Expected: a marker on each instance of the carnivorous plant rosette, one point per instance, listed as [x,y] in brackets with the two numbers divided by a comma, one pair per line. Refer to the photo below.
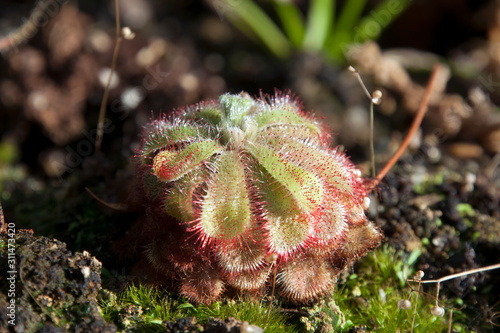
[251,183]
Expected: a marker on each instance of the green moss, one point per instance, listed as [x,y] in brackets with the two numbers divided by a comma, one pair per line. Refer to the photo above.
[429,183]
[322,317]
[145,309]
[8,152]
[465,210]
[370,297]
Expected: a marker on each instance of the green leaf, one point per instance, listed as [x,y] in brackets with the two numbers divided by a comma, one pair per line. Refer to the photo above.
[186,306]
[414,255]
[283,135]
[211,114]
[179,198]
[287,226]
[332,167]
[350,15]
[162,134]
[291,20]
[171,165]
[465,210]
[372,25]
[285,116]
[319,21]
[304,186]
[259,23]
[235,107]
[226,207]
[343,32]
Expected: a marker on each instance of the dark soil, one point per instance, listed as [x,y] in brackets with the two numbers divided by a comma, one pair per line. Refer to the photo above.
[56,290]
[454,225]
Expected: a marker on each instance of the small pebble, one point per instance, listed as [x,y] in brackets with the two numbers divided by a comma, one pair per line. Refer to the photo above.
[104,75]
[247,328]
[465,150]
[85,271]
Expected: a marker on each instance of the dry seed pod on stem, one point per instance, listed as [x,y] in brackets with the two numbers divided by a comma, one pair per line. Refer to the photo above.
[438,310]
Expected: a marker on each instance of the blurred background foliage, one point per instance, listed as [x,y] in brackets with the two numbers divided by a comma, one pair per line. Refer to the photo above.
[320,30]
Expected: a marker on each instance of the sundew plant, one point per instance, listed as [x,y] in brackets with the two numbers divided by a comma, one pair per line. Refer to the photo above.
[239,185]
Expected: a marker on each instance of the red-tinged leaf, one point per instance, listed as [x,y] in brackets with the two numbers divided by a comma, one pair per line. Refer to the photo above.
[171,165]
[305,187]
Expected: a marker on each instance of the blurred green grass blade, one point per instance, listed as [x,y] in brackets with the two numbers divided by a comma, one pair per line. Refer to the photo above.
[319,22]
[350,29]
[337,45]
[350,15]
[372,25]
[291,20]
[259,23]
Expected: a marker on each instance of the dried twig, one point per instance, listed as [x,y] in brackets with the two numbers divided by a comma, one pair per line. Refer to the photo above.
[43,10]
[454,276]
[437,310]
[414,127]
[115,206]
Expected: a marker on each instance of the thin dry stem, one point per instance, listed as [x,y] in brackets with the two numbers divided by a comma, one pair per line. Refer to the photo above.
[275,268]
[489,170]
[453,276]
[115,206]
[355,72]
[373,100]
[414,127]
[415,308]
[450,320]
[438,281]
[372,147]
[104,101]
